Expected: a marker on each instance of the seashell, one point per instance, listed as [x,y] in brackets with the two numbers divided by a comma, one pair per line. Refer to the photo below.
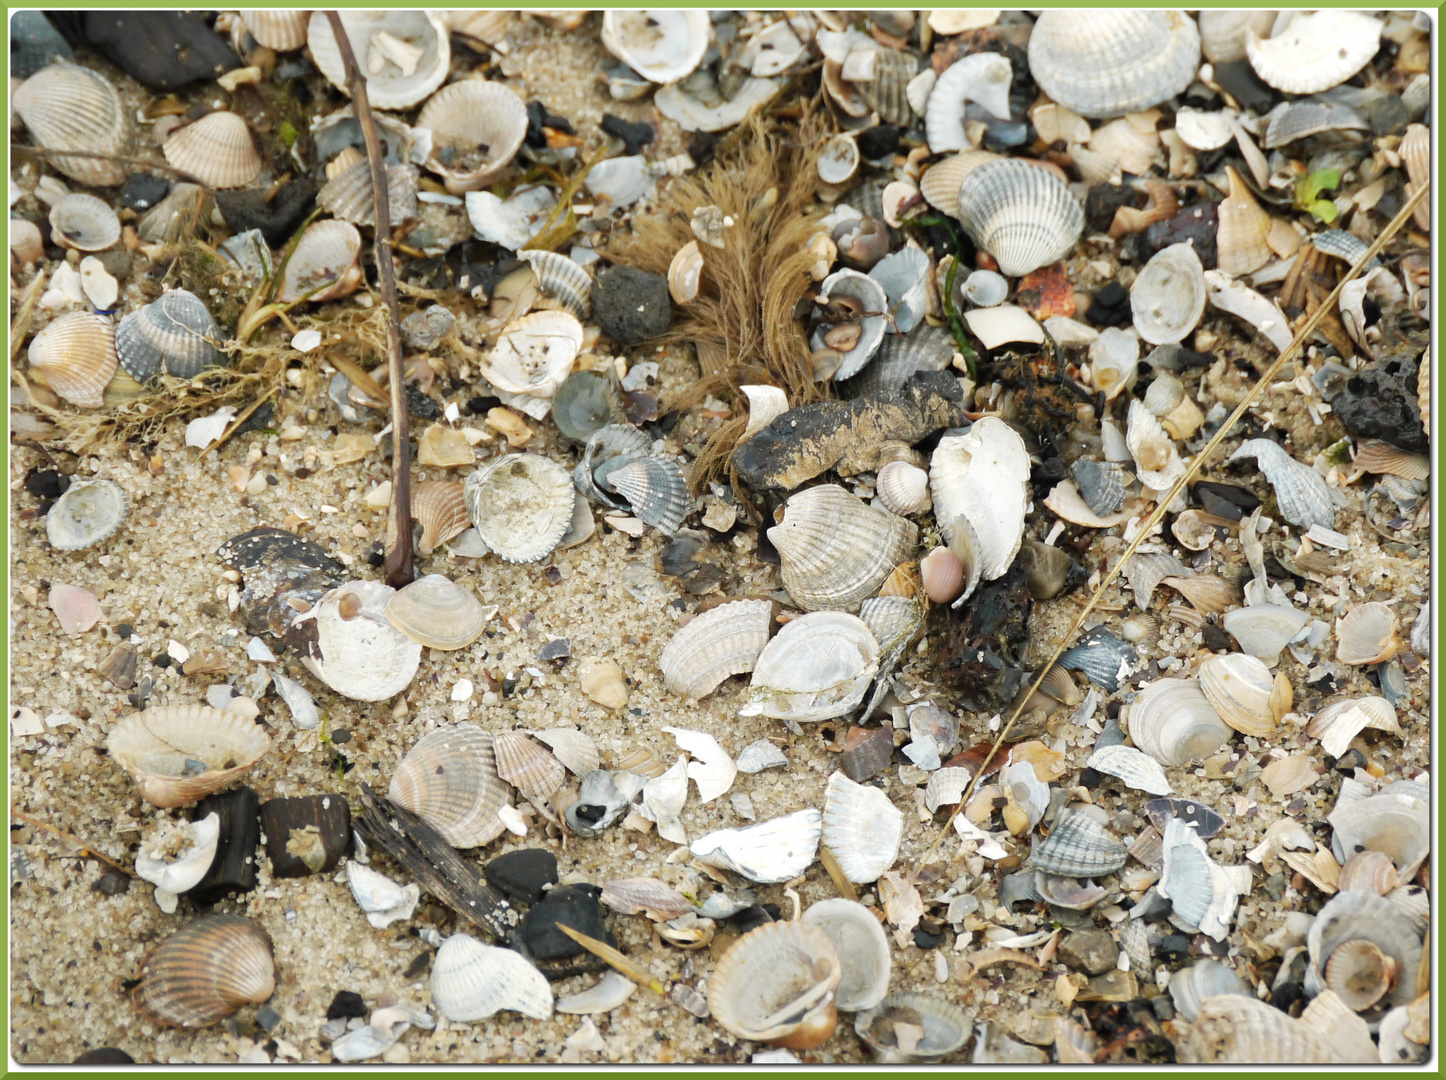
[608,448]
[522,505]
[1364,976]
[177,857]
[874,299]
[1263,631]
[84,223]
[405,54]
[770,852]
[182,753]
[1396,825]
[838,160]
[1367,634]
[903,488]
[324,265]
[1369,871]
[1243,692]
[1341,721]
[477,128]
[1046,569]
[602,799]
[575,749]
[1266,316]
[607,994]
[982,479]
[26,244]
[1107,63]
[1315,52]
[1168,296]
[773,50]
[1104,658]
[1190,986]
[449,780]
[69,107]
[1069,893]
[816,667]
[655,490]
[472,981]
[1208,594]
[383,900]
[206,971]
[1203,130]
[905,278]
[942,575]
[1114,361]
[524,764]
[940,183]
[1020,214]
[532,357]
[356,651]
[715,114]
[583,403]
[900,357]
[685,273]
[723,641]
[438,505]
[562,279]
[1243,229]
[348,195]
[984,77]
[88,512]
[1238,1029]
[985,288]
[862,949]
[913,1027]
[216,150]
[862,827]
[1078,846]
[1173,721]
[1223,33]
[1128,145]
[662,46]
[1101,484]
[1157,461]
[435,612]
[175,332]
[1415,151]
[776,984]
[1359,973]
[283,31]
[630,896]
[1377,456]
[1302,119]
[1138,770]
[836,549]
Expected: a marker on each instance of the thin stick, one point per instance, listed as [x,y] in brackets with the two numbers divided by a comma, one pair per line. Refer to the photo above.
[1158,514]
[89,155]
[245,415]
[399,557]
[86,851]
[616,960]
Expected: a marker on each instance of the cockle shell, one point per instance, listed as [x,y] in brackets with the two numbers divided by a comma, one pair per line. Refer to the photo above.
[217,150]
[405,54]
[327,260]
[88,512]
[1240,1030]
[1203,979]
[438,505]
[1107,63]
[1358,916]
[862,948]
[521,504]
[655,490]
[69,107]
[769,852]
[205,971]
[900,357]
[534,354]
[1359,973]
[981,479]
[348,195]
[84,223]
[524,764]
[182,753]
[1168,296]
[356,651]
[1316,51]
[836,549]
[662,46]
[983,77]
[472,981]
[436,612]
[777,984]
[449,779]
[817,666]
[1137,769]
[1395,824]
[1370,871]
[1079,847]
[1415,151]
[903,488]
[938,1026]
[1020,214]
[1367,634]
[562,279]
[723,641]
[477,128]
[1244,227]
[1341,721]
[1223,32]
[283,31]
[1243,692]
[940,183]
[609,447]
[175,332]
[862,827]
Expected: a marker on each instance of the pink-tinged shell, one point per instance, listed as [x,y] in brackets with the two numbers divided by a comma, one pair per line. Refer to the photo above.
[205,971]
[527,765]
[157,746]
[76,356]
[439,507]
[1370,871]
[629,896]
[76,608]
[216,149]
[942,574]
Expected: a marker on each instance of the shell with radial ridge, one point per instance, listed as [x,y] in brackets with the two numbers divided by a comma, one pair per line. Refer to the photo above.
[472,981]
[862,948]
[1223,32]
[75,354]
[1020,214]
[1204,979]
[723,641]
[88,512]
[940,183]
[348,194]
[1367,635]
[527,765]
[69,107]
[862,827]
[1316,51]
[442,511]
[1104,63]
[1243,229]
[1079,847]
[903,488]
[405,53]
[175,332]
[945,1027]
[818,666]
[1358,916]
[181,753]
[521,504]
[449,779]
[982,77]
[283,31]
[575,749]
[1236,1029]
[1173,721]
[436,612]
[325,263]
[84,223]
[483,123]
[206,971]
[217,150]
[836,550]
[656,491]
[777,984]
[562,279]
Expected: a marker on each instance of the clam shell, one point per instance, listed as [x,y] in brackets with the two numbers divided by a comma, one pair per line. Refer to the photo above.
[348,194]
[584,403]
[26,244]
[1146,570]
[862,827]
[176,857]
[900,356]
[1173,721]
[983,77]
[661,46]
[521,504]
[1369,871]
[1415,151]
[88,512]
[839,159]
[723,641]
[903,488]
[575,749]
[945,1027]
[483,123]
[1316,51]
[1341,721]
[1168,297]
[1104,63]
[942,575]
[206,971]
[1157,460]
[1020,214]
[1367,634]
[85,223]
[887,93]
[777,984]
[1243,229]
[863,951]
[328,252]
[982,478]
[449,780]
[1239,1030]
[836,549]
[405,54]
[162,746]
[438,505]
[1079,847]
[175,332]
[217,150]
[1301,119]
[1203,130]
[524,764]
[534,354]
[1208,594]
[769,852]
[1046,569]
[472,981]
[69,107]
[1243,692]
[817,666]
[655,490]
[1223,33]
[875,300]
[356,651]
[283,31]
[1357,916]
[563,280]
[607,994]
[1397,825]
[438,613]
[1137,769]
[685,273]
[1205,979]
[1263,631]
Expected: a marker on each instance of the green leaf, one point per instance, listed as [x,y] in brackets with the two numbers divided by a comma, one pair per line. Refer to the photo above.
[287,134]
[1308,189]
[1324,209]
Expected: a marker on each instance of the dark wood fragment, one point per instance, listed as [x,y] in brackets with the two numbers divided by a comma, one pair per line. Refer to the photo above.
[234,867]
[306,835]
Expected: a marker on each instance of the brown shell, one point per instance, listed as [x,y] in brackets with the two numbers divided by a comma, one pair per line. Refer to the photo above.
[449,779]
[1207,593]
[216,149]
[205,971]
[1244,226]
[76,357]
[1377,456]
[527,765]
[1370,871]
[439,507]
[158,747]
[1360,973]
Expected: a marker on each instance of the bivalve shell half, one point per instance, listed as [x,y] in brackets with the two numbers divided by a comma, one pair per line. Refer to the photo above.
[656,491]
[874,299]
[69,107]
[1104,63]
[84,223]
[1078,847]
[1395,824]
[1244,693]
[938,1026]
[283,31]
[472,981]
[356,651]
[1020,214]
[836,549]
[862,948]
[527,766]
[816,667]
[1263,631]
[903,488]
[562,279]
[217,150]
[441,510]
[1157,460]
[405,54]
[206,971]
[1385,973]
[436,612]
[521,504]
[984,77]
[662,46]
[348,195]
[1235,1029]
[175,332]
[1223,32]
[723,641]
[182,753]
[88,512]
[1359,973]
[982,479]
[1205,979]
[1341,721]
[1168,296]
[325,264]
[769,852]
[685,273]
[940,183]
[777,984]
[1301,492]
[449,780]
[477,128]
[534,354]
[862,827]
[1367,635]
[1316,51]
[1369,871]
[576,749]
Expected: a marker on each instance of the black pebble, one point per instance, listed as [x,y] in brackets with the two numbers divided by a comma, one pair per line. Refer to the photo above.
[1350,761]
[631,306]
[478,406]
[341,735]
[346,1005]
[1388,115]
[234,867]
[298,68]
[929,937]
[1379,402]
[633,136]
[1195,225]
[878,142]
[1110,307]
[268,1018]
[159,49]
[751,918]
[1238,79]
[46,483]
[556,649]
[277,219]
[1089,778]
[571,905]
[1175,945]
[105,1055]
[538,118]
[419,404]
[523,875]
[328,814]
[162,661]
[143,190]
[1102,200]
[1214,638]
[419,964]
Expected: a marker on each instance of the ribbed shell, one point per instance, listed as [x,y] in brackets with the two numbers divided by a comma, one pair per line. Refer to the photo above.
[562,279]
[1416,153]
[390,87]
[1168,296]
[1079,847]
[1020,214]
[862,948]
[85,223]
[1201,980]
[722,641]
[836,549]
[1366,634]
[449,779]
[1104,63]
[903,488]
[526,765]
[817,666]
[68,107]
[1316,51]
[940,183]
[472,981]
[205,971]
[521,504]
[176,332]
[469,115]
[156,747]
[1243,692]
[1239,1030]
[900,357]
[216,149]
[1301,119]
[76,355]
[442,511]
[766,970]
[983,77]
[327,252]
[279,30]
[655,490]
[1341,721]
[1173,721]
[1223,32]
[862,827]
[1369,871]
[438,613]
[1363,916]
[1244,226]
[348,195]
[607,443]
[1100,483]
[575,749]
[887,93]
[1301,492]
[88,512]
[946,1027]
[1136,768]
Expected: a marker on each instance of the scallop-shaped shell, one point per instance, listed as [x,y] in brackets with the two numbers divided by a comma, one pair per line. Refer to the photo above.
[1020,214]
[777,984]
[1263,631]
[1243,692]
[903,488]
[1238,1030]
[1079,847]
[1358,916]
[562,279]
[85,223]
[356,651]
[69,107]
[685,273]
[472,981]
[983,77]
[1104,63]
[526,765]
[722,641]
[862,948]
[662,46]
[406,54]
[206,971]
[436,612]
[1367,635]
[534,354]
[1168,296]
[862,827]
[817,666]
[1397,825]
[1101,484]
[656,491]
[328,252]
[836,549]
[182,753]
[441,510]
[283,31]
[1203,130]
[1136,768]
[769,852]
[1102,656]
[575,749]
[1369,871]
[900,357]
[449,780]
[1359,973]
[521,504]
[1243,229]
[610,446]
[88,512]
[888,92]
[1341,721]
[945,1027]
[1203,979]
[482,122]
[1223,32]
[982,478]
[217,150]
[1316,51]
[348,194]
[875,300]
[175,332]
[940,183]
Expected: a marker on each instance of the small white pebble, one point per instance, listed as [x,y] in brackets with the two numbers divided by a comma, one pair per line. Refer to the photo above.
[462,691]
[306,340]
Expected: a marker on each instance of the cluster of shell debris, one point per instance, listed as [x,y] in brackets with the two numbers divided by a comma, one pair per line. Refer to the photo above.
[1049,255]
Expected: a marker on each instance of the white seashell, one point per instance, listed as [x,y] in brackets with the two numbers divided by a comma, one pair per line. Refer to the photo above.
[1359,916]
[839,159]
[772,50]
[1157,461]
[835,549]
[435,612]
[464,118]
[940,183]
[449,779]
[985,288]
[765,405]
[1137,769]
[84,223]
[1397,825]
[563,279]
[1128,145]
[945,788]
[521,504]
[776,984]
[685,273]
[575,749]
[875,300]
[1243,235]
[621,181]
[691,114]
[283,31]
[175,858]
[356,651]
[1264,630]
[913,1028]
[905,278]
[1301,492]
[1002,324]
[405,54]
[662,46]
[298,699]
[328,252]
[761,755]
[1204,979]
[1168,296]
[1020,214]
[472,981]
[99,287]
[816,667]
[1204,130]
[1316,51]
[162,748]
[1114,360]
[534,354]
[1340,722]
[1244,693]
[712,769]
[1223,32]
[903,488]
[1237,1029]
[369,1041]
[919,88]
[1104,63]
[861,827]
[769,852]
[383,900]
[723,641]
[1229,295]
[663,799]
[983,77]
[1367,635]
[513,221]
[982,478]
[1027,795]
[606,994]
[1173,721]
[862,948]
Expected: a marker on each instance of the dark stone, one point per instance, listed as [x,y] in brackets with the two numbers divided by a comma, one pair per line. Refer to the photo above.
[751,918]
[1177,945]
[419,965]
[1225,500]
[867,752]
[538,118]
[1238,79]
[1163,1008]
[702,146]
[34,43]
[1379,402]
[523,875]
[1110,307]
[1285,995]
[420,405]
[569,905]
[267,1018]
[634,136]
[124,631]
[317,828]
[143,190]
[1215,639]
[1092,951]
[556,649]
[1275,885]
[1349,762]
[111,882]
[162,661]
[103,1055]
[163,50]
[346,1005]
[1102,200]
[984,642]
[630,305]
[234,867]
[929,936]
[46,484]
[878,142]
[1195,225]
[275,566]
[1388,115]
[117,262]
[277,219]
[1090,778]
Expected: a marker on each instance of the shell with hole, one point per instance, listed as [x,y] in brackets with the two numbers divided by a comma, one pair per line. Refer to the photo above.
[913,1027]
[723,641]
[862,948]
[182,753]
[522,505]
[982,77]
[1020,214]
[1244,693]
[352,647]
[1382,952]
[1316,51]
[175,332]
[661,46]
[836,550]
[1367,635]
[436,612]
[1104,63]
[206,971]
[777,984]
[980,487]
[84,223]
[405,54]
[862,827]
[449,780]
[472,981]
[818,666]
[1168,297]
[477,128]
[325,264]
[88,512]
[69,107]
[216,150]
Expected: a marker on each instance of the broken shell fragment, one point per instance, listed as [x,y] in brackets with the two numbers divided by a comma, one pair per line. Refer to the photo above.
[1204,979]
[818,666]
[88,512]
[836,549]
[1370,871]
[1238,1029]
[1395,824]
[1316,51]
[777,984]
[723,641]
[449,780]
[438,613]
[206,971]
[1107,63]
[1157,460]
[325,264]
[1168,297]
[913,1027]
[771,851]
[1341,721]
[522,505]
[176,857]
[1020,214]
[685,273]
[355,650]
[603,798]
[981,479]
[862,827]
[1244,227]
[472,981]
[1367,635]
[983,77]
[524,764]
[1137,769]
[182,753]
